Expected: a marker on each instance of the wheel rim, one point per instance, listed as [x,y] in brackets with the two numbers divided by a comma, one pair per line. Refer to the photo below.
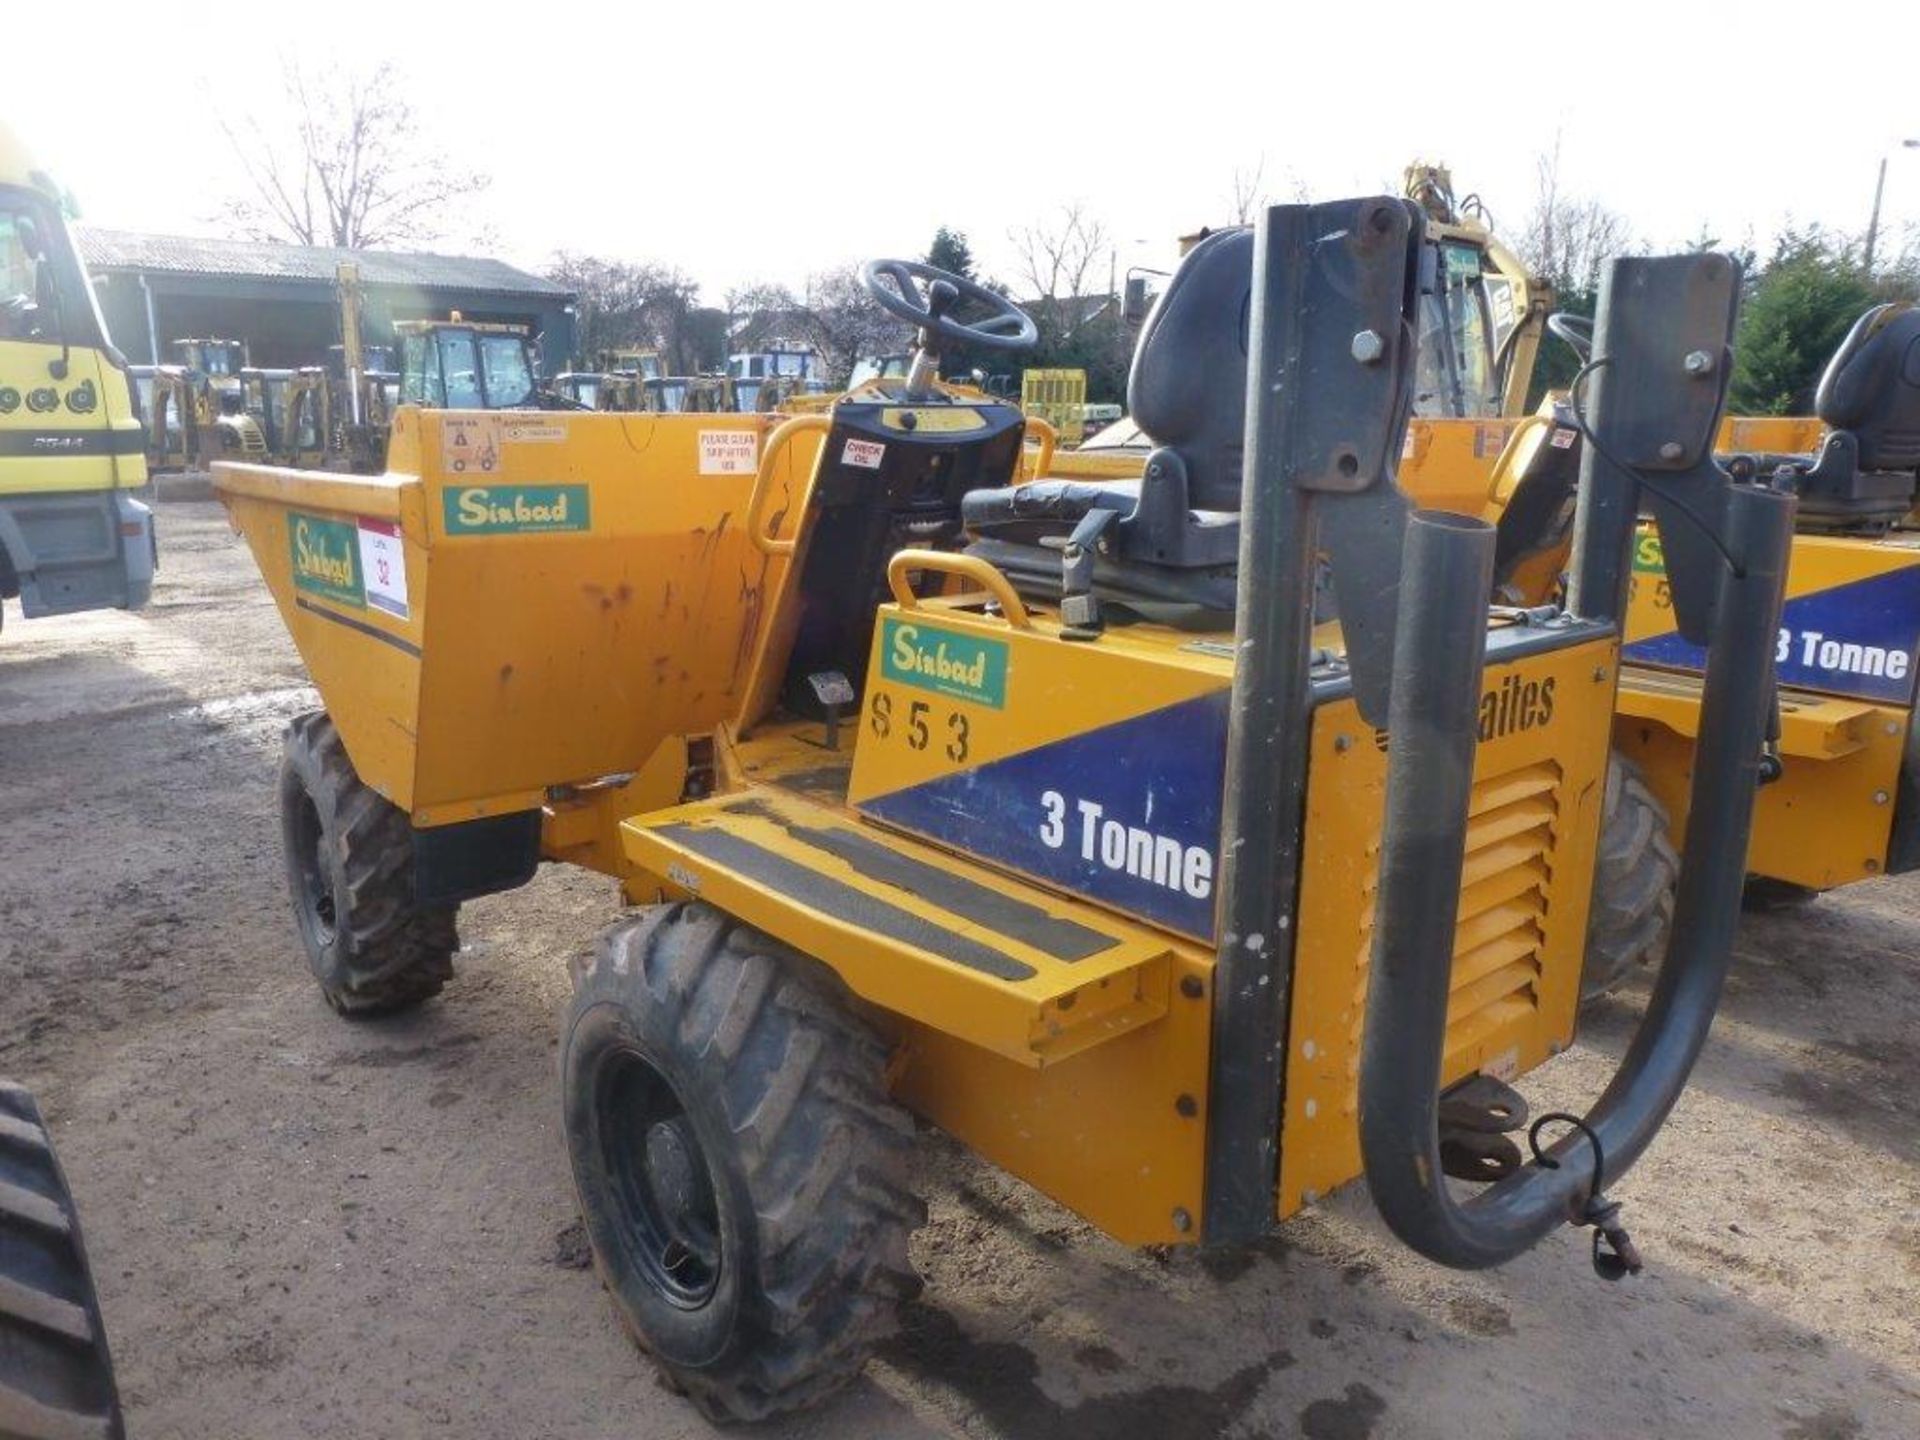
[316,885]
[660,1182]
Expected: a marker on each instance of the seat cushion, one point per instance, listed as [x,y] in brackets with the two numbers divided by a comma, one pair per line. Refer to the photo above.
[1186,599]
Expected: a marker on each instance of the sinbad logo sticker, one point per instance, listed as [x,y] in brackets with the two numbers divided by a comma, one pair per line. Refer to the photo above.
[966,667]
[326,558]
[516,509]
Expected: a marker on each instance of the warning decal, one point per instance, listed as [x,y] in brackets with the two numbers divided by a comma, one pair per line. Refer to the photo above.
[865,453]
[729,452]
[471,443]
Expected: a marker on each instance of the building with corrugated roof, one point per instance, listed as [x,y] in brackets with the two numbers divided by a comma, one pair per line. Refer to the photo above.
[282,300]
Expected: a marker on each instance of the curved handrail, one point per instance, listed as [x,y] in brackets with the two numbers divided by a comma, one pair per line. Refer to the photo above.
[776,444]
[1049,438]
[1501,483]
[968,567]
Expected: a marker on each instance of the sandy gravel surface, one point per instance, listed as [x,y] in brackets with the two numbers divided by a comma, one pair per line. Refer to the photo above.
[305,1227]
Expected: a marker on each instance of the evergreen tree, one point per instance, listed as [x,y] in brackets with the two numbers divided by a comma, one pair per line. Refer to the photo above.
[950,252]
[1800,308]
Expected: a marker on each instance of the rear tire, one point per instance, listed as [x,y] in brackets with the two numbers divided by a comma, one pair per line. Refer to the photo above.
[56,1375]
[1633,883]
[741,1170]
[349,860]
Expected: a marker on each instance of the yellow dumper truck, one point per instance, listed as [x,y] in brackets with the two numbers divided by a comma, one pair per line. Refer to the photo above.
[1188,848]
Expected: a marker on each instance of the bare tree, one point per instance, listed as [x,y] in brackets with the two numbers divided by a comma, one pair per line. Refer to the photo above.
[1567,238]
[348,170]
[845,324]
[835,315]
[1249,197]
[765,311]
[620,305]
[1059,265]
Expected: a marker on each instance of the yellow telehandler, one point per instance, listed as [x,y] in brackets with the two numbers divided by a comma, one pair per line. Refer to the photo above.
[1188,852]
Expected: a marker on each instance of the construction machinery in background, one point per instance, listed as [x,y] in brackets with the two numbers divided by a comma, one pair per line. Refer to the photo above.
[163,405]
[213,403]
[210,403]
[767,378]
[1842,798]
[1059,397]
[56,1373]
[645,364]
[73,536]
[1483,316]
[1187,848]
[457,364]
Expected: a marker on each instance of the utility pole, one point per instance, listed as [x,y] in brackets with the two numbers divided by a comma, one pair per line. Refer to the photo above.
[1879,190]
[1873,224]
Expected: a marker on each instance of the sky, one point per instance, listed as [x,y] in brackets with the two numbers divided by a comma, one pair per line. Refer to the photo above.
[743,142]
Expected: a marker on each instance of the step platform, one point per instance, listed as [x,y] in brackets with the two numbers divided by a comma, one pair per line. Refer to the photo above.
[1028,974]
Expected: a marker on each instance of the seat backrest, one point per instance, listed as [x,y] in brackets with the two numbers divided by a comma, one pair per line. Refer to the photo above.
[1188,387]
[1872,387]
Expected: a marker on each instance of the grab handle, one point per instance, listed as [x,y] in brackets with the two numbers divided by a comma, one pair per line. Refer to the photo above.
[968,567]
[783,435]
[1049,438]
[1505,475]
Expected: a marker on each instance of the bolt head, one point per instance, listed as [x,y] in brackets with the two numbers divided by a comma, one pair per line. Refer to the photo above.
[1368,347]
[1182,1221]
[1672,450]
[1698,362]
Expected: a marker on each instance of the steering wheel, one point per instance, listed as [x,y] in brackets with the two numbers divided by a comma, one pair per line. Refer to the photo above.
[1575,330]
[1005,327]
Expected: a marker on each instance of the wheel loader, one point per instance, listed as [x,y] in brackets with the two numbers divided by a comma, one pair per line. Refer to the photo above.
[1187,852]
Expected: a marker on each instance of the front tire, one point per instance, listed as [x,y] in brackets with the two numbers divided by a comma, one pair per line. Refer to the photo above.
[349,860]
[1633,883]
[56,1375]
[741,1170]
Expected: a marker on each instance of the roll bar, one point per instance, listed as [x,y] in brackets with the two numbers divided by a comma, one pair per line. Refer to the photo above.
[1662,355]
[1332,350]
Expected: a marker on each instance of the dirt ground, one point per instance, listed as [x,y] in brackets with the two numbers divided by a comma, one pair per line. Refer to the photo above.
[306,1227]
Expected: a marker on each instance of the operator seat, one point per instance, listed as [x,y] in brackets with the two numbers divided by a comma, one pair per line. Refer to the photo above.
[1164,546]
[1865,473]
